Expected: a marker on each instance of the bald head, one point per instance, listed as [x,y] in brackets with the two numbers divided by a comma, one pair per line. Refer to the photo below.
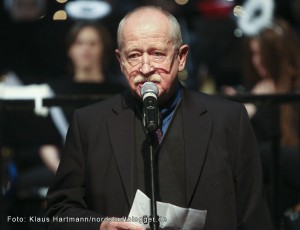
[145,17]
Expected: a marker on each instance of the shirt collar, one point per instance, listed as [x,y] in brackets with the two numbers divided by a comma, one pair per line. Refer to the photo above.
[168,108]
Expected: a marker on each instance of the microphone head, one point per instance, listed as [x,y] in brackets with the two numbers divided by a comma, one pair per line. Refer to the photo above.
[149,87]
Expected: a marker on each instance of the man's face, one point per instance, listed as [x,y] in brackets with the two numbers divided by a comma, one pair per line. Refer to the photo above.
[148,54]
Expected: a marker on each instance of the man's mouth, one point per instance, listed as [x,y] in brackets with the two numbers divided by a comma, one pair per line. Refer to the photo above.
[139,84]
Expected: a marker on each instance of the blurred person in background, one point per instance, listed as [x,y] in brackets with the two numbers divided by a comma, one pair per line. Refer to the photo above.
[25,10]
[272,66]
[88,46]
[34,143]
[24,39]
[89,50]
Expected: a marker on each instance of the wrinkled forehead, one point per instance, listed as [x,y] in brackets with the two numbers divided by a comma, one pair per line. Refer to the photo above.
[146,23]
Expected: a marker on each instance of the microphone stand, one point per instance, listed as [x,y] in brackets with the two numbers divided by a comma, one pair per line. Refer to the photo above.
[154,223]
[149,92]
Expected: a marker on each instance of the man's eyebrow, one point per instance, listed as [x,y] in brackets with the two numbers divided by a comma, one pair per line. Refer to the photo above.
[132,48]
[150,48]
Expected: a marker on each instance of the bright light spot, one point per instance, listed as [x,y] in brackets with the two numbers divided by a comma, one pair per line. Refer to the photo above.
[60,15]
[238,33]
[238,11]
[61,1]
[87,9]
[181,2]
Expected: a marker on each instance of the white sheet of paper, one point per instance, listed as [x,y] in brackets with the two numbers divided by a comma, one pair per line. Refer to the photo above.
[170,216]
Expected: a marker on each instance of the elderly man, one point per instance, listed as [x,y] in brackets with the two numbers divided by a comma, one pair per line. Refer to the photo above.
[206,160]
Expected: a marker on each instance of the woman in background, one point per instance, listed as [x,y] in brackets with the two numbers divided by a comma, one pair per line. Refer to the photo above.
[88,46]
[90,67]
[272,66]
[89,50]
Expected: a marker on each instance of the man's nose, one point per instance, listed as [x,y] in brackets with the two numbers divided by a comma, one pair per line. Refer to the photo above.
[146,65]
[146,68]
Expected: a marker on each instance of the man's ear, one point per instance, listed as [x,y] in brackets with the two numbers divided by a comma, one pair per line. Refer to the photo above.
[118,55]
[182,55]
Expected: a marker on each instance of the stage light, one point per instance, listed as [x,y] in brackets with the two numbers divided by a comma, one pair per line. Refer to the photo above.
[60,15]
[237,11]
[238,33]
[181,2]
[87,9]
[256,16]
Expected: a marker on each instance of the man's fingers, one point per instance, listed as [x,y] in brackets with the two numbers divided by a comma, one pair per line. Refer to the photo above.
[127,226]
[110,225]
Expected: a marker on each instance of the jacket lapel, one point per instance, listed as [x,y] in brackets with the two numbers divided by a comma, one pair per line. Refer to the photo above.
[121,132]
[197,128]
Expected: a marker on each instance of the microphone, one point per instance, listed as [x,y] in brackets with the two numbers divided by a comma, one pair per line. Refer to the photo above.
[149,92]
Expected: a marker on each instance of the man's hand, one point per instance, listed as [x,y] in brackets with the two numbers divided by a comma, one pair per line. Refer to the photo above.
[110,225]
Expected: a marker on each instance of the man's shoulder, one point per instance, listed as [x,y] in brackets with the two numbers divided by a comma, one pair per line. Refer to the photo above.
[212,102]
[100,108]
[223,112]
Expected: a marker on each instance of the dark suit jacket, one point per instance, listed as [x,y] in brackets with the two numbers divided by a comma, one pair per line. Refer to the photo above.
[223,169]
